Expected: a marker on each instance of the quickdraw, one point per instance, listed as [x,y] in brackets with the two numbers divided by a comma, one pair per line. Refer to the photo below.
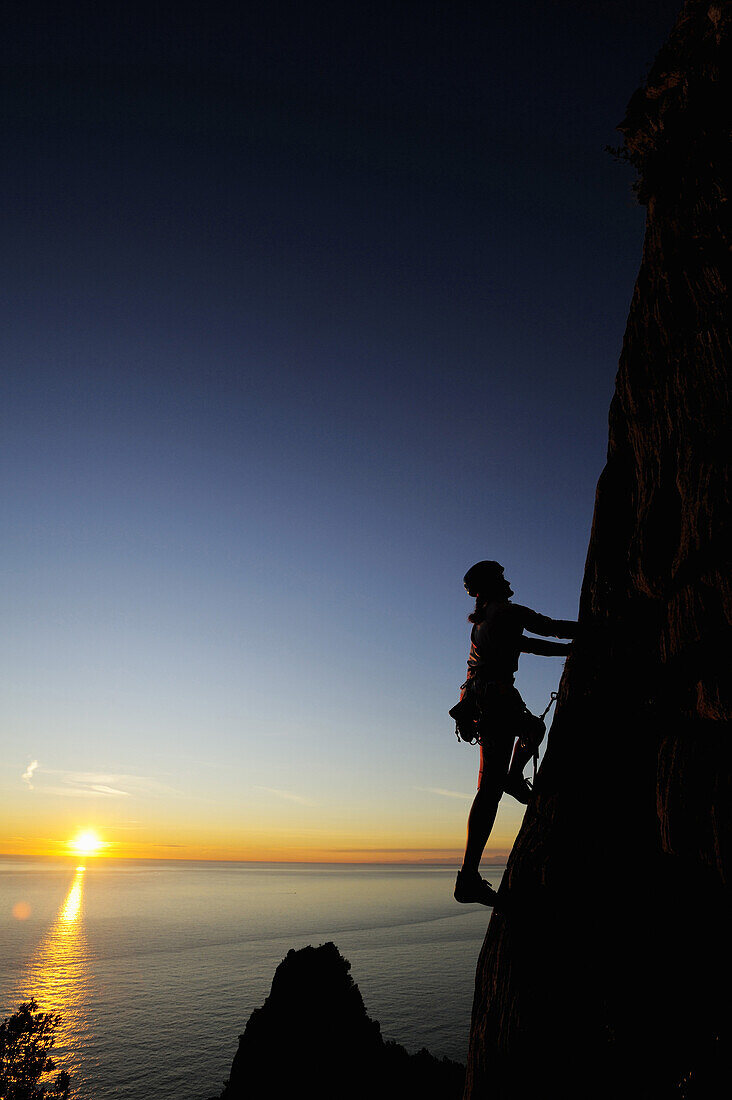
[550,704]
[542,716]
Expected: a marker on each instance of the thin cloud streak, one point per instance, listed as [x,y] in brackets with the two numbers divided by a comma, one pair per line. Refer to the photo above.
[82,792]
[288,795]
[444,793]
[94,785]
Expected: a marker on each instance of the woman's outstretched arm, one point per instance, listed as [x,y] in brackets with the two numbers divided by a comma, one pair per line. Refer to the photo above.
[545,649]
[542,624]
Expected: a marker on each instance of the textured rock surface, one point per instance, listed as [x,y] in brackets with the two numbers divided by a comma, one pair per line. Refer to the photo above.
[608,975]
[312,1037]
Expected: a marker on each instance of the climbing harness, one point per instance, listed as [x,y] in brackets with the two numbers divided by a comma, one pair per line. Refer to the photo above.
[466,715]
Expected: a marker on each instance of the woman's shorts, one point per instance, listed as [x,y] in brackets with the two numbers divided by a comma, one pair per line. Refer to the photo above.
[502,711]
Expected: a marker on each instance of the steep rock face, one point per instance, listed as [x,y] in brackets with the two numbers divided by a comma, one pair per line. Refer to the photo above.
[608,972]
[312,1036]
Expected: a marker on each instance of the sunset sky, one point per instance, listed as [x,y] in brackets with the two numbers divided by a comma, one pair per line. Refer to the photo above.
[307,308]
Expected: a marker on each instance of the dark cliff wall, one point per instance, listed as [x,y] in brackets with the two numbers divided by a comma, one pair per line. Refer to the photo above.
[608,974]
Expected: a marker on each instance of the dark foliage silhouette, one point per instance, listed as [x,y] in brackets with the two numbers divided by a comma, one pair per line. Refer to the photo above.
[26,1039]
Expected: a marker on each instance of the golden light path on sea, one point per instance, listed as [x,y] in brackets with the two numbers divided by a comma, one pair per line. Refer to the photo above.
[57,977]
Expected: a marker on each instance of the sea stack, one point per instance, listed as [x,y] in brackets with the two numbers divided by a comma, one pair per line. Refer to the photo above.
[607,973]
[313,1037]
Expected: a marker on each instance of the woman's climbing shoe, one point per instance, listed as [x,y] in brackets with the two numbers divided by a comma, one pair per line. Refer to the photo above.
[519,787]
[469,886]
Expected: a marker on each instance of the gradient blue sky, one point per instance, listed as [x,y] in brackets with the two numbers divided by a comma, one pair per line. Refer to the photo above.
[307,308]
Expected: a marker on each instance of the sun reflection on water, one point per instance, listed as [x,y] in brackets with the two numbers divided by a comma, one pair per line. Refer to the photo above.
[71,909]
[57,976]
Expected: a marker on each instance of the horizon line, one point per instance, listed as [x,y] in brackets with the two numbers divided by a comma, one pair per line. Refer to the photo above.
[90,860]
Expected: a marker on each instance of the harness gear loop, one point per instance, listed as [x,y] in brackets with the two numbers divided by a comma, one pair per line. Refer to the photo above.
[466,714]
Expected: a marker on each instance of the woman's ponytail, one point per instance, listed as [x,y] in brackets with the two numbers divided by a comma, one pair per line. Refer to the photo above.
[478,614]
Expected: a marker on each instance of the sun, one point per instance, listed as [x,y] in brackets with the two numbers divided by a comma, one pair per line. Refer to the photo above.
[87,843]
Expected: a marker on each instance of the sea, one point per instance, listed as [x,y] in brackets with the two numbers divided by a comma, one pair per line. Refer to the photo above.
[155,967]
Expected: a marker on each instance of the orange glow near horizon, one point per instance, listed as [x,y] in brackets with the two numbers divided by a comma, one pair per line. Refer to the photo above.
[105,850]
[103,841]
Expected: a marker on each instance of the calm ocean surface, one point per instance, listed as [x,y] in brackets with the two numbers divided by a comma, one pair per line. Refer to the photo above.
[156,967]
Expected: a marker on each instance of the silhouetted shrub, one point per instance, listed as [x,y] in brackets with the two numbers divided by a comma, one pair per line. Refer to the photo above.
[26,1038]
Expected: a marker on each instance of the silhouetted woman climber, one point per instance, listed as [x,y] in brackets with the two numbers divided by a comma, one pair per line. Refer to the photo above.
[496,640]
